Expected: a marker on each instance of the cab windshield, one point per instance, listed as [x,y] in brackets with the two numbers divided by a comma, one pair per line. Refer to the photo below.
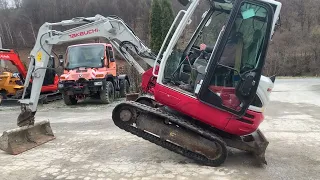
[204,28]
[199,39]
[90,56]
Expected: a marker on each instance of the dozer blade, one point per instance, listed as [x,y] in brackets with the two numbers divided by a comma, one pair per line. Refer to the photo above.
[255,143]
[9,102]
[132,97]
[261,144]
[22,139]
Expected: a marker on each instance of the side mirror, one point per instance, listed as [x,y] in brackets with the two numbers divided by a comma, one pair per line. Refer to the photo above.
[247,84]
[184,2]
[61,60]
[110,52]
[111,56]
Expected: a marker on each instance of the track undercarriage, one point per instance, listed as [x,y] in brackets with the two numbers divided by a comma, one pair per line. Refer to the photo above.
[44,99]
[161,126]
[51,97]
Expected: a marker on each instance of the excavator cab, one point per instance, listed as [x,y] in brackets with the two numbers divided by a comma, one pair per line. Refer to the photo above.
[225,76]
[232,74]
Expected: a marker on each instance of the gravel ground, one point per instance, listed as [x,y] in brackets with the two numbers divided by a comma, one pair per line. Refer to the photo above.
[90,146]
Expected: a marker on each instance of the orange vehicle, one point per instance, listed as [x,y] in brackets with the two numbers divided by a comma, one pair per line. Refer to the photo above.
[90,70]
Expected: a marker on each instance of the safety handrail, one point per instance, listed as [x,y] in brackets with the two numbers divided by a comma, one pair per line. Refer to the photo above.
[165,41]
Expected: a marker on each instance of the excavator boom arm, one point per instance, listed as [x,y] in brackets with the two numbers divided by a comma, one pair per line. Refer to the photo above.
[114,29]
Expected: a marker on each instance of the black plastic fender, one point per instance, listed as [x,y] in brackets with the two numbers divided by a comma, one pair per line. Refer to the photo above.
[114,80]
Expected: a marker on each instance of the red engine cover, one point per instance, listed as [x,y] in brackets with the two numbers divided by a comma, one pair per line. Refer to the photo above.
[192,107]
[219,119]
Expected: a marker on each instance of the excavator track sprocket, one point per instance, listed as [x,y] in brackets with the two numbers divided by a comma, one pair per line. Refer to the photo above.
[170,132]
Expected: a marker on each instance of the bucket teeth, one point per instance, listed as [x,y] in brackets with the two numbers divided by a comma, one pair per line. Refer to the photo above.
[22,139]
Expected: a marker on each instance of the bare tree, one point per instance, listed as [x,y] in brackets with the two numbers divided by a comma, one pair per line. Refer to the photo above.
[17,3]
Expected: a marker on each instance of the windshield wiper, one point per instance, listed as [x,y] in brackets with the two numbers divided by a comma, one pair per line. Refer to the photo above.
[78,67]
[83,67]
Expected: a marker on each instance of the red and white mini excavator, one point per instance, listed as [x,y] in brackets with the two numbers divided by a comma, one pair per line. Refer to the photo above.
[199,100]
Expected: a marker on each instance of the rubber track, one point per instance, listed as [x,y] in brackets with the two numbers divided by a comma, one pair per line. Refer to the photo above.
[50,97]
[165,144]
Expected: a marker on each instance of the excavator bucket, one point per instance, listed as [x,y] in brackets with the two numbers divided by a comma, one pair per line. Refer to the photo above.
[22,139]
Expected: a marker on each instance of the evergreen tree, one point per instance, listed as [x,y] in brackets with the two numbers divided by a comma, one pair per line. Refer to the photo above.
[167,18]
[155,26]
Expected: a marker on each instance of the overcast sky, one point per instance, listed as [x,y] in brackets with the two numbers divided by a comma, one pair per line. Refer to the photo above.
[10,3]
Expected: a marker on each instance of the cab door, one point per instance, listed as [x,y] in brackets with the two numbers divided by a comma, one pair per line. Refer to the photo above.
[234,70]
[112,67]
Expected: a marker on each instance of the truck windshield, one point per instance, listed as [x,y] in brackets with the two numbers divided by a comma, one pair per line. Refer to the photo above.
[85,56]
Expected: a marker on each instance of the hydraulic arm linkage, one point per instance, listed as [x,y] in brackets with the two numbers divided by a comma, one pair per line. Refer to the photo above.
[114,29]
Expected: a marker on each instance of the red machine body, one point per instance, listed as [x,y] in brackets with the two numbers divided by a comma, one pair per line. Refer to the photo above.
[220,119]
[13,57]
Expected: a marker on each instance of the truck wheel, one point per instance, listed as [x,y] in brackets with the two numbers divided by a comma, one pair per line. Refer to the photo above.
[69,100]
[125,89]
[107,95]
